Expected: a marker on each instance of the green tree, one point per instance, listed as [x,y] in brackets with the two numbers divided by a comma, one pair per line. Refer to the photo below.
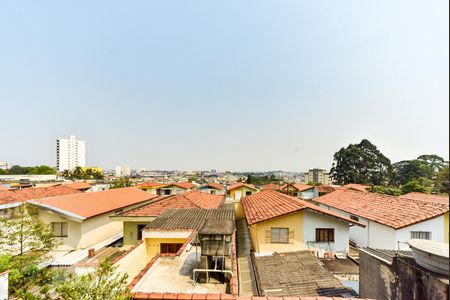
[442,180]
[434,162]
[122,182]
[408,170]
[414,186]
[360,163]
[102,284]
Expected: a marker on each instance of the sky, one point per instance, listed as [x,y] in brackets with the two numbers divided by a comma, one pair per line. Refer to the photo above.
[227,85]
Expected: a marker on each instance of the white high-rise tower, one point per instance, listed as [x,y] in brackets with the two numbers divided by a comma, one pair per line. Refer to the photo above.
[70,153]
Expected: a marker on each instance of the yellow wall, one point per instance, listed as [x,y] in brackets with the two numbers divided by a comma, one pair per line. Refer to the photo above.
[446,224]
[243,190]
[73,229]
[292,221]
[130,231]
[132,263]
[153,244]
[239,210]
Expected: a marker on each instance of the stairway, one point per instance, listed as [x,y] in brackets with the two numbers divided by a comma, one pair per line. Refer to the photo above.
[247,285]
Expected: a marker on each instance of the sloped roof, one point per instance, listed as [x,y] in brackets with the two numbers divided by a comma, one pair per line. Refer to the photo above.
[269,204]
[214,185]
[271,186]
[11,196]
[3,188]
[444,199]
[151,184]
[298,186]
[79,185]
[87,205]
[324,188]
[240,184]
[354,186]
[191,199]
[395,212]
[188,218]
[185,185]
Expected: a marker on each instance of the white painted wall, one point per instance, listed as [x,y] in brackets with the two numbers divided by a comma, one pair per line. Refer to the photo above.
[4,286]
[381,236]
[314,220]
[435,226]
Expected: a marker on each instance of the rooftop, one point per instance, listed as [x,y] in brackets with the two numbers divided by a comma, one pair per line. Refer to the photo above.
[79,185]
[271,186]
[185,185]
[395,212]
[87,205]
[191,199]
[190,218]
[240,184]
[214,185]
[269,204]
[324,188]
[150,184]
[298,186]
[10,196]
[297,274]
[355,187]
[427,197]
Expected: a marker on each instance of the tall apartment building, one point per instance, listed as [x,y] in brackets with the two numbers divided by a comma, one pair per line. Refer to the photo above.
[70,153]
[317,176]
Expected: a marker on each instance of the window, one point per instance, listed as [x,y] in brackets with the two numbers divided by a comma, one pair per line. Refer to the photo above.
[423,235]
[59,229]
[248,193]
[279,235]
[213,192]
[166,192]
[355,218]
[324,234]
[294,194]
[140,227]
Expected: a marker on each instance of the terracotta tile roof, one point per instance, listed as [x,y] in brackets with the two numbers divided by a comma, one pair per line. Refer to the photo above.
[215,186]
[324,188]
[3,188]
[185,296]
[269,204]
[271,186]
[427,197]
[298,186]
[240,184]
[151,184]
[355,187]
[185,185]
[79,185]
[191,199]
[87,205]
[11,196]
[395,212]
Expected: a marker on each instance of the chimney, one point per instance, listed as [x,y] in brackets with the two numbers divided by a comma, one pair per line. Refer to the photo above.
[91,252]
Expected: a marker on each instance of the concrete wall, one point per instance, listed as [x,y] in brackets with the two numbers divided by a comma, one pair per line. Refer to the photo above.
[292,221]
[401,280]
[73,229]
[133,262]
[436,226]
[312,220]
[97,229]
[239,210]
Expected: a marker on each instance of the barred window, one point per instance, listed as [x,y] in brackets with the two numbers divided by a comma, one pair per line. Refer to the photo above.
[59,229]
[279,235]
[423,235]
[324,234]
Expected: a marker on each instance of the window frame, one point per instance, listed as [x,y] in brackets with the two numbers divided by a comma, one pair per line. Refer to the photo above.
[272,241]
[61,229]
[325,236]
[419,232]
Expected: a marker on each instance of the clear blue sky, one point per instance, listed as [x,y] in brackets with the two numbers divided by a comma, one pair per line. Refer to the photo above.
[240,85]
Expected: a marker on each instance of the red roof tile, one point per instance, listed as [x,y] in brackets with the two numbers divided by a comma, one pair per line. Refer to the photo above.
[79,185]
[324,188]
[151,184]
[191,199]
[355,187]
[11,196]
[395,212]
[269,204]
[185,185]
[427,197]
[215,186]
[87,205]
[271,186]
[3,188]
[240,184]
[298,186]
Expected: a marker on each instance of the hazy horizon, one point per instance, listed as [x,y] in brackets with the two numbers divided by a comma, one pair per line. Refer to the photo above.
[224,85]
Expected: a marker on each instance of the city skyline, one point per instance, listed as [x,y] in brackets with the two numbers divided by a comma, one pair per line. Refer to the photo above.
[226,86]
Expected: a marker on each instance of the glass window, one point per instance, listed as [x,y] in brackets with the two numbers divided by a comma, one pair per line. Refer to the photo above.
[324,234]
[423,235]
[59,229]
[279,235]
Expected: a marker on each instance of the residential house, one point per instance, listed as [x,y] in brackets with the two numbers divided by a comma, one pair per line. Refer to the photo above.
[271,186]
[134,220]
[9,199]
[82,220]
[282,223]
[151,187]
[81,186]
[177,188]
[324,189]
[354,187]
[302,191]
[212,188]
[238,190]
[390,221]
